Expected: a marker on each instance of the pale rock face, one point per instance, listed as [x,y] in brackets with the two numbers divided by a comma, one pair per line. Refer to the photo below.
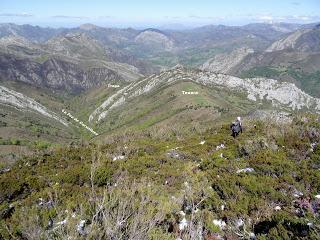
[182,213]
[80,227]
[20,101]
[221,146]
[120,97]
[183,224]
[297,194]
[117,103]
[245,170]
[288,42]
[68,43]
[277,208]
[239,223]
[152,37]
[284,28]
[257,89]
[63,222]
[14,40]
[118,158]
[220,223]
[223,63]
[266,89]
[108,103]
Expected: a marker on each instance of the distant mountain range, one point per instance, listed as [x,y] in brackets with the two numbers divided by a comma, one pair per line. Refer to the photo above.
[95,55]
[234,70]
[112,133]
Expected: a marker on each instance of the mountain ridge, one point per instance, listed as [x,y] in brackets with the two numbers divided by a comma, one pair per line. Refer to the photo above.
[255,92]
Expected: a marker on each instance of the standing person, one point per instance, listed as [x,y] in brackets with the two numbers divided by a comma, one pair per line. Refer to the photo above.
[236,127]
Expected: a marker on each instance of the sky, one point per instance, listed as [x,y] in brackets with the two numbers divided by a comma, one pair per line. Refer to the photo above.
[148,13]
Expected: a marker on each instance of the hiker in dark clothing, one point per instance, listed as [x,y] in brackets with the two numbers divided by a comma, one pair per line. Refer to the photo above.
[236,127]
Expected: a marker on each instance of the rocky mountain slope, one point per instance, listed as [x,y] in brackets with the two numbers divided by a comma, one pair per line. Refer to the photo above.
[76,45]
[90,58]
[56,73]
[225,63]
[195,96]
[31,121]
[72,62]
[256,89]
[32,33]
[243,59]
[155,39]
[168,47]
[24,103]
[92,149]
[295,58]
[304,40]
[272,31]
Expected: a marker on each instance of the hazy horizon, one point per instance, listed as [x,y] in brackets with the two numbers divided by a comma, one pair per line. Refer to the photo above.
[143,14]
[168,26]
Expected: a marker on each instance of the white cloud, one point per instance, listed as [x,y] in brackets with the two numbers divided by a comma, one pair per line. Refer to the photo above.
[265,18]
[288,18]
[302,18]
[206,18]
[24,14]
[105,17]
[70,17]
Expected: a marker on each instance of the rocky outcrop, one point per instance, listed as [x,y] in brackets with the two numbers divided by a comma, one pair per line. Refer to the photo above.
[54,73]
[224,63]
[22,102]
[144,67]
[155,38]
[14,40]
[81,52]
[287,65]
[281,95]
[304,40]
[32,33]
[76,45]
